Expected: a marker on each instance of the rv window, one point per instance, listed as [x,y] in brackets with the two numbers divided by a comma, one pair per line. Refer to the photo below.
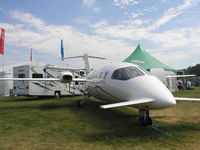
[21,76]
[76,83]
[82,73]
[37,75]
[126,73]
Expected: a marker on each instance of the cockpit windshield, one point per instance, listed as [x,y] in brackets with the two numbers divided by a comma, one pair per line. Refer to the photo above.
[126,73]
[145,71]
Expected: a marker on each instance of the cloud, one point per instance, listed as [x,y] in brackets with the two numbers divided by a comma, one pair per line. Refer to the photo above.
[140,29]
[172,13]
[124,3]
[90,4]
[100,24]
[46,38]
[27,18]
[150,9]
[170,45]
[107,39]
[136,14]
[97,9]
[82,21]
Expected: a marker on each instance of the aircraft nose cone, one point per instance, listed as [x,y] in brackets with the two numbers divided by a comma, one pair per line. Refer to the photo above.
[168,99]
[163,96]
[153,88]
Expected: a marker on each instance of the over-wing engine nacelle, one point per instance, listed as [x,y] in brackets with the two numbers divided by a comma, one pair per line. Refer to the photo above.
[66,77]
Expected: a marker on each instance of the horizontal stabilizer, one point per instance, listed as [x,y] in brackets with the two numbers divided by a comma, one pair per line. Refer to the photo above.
[186,99]
[84,56]
[78,80]
[127,103]
[180,76]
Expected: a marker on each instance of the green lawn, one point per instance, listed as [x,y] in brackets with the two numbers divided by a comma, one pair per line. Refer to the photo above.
[47,124]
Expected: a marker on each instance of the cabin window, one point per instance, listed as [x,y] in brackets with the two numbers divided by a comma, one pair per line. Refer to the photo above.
[105,75]
[22,75]
[126,73]
[37,75]
[96,75]
[144,70]
[100,75]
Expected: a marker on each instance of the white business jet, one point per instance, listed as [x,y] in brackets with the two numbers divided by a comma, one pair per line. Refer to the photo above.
[122,84]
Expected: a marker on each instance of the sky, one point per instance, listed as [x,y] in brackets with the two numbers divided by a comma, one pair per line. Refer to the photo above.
[167,29]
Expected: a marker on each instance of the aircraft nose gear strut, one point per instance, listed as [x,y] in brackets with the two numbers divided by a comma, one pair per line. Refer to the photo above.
[80,102]
[144,118]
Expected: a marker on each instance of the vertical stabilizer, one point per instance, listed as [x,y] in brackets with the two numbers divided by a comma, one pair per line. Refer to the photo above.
[86,60]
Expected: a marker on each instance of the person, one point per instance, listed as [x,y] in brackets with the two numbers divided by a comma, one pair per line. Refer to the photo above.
[189,85]
[180,84]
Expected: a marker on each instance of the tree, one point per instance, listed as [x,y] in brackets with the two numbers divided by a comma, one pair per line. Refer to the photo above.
[194,70]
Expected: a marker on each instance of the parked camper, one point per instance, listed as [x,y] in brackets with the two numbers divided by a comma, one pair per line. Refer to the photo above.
[44,88]
[6,87]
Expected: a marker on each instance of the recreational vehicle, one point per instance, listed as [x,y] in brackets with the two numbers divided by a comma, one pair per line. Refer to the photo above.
[45,88]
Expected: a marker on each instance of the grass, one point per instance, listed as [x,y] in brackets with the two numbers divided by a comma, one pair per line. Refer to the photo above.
[48,124]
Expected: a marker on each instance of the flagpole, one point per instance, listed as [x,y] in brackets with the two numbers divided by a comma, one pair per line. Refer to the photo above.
[63,63]
[2,37]
[3,63]
[62,52]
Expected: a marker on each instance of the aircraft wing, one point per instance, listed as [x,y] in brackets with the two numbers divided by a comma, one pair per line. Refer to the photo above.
[180,76]
[186,99]
[79,80]
[29,79]
[127,103]
[41,79]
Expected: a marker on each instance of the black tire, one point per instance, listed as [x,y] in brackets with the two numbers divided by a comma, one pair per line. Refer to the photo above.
[78,102]
[57,95]
[149,121]
[141,122]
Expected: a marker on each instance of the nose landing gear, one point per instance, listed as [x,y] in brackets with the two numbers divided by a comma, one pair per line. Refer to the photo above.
[144,118]
[80,102]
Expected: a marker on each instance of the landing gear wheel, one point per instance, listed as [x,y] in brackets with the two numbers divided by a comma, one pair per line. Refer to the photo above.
[149,121]
[141,122]
[57,95]
[78,102]
[144,118]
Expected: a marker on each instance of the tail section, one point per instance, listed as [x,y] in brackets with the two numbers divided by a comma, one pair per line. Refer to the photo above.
[86,60]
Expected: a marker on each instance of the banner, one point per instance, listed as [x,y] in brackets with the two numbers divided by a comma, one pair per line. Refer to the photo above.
[2,37]
[62,50]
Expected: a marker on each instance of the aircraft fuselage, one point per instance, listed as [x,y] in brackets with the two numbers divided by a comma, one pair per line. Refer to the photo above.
[120,82]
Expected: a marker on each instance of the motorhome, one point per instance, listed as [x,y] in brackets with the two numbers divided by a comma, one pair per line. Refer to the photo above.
[45,88]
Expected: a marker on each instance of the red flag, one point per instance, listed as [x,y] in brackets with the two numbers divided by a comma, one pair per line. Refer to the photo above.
[31,55]
[2,37]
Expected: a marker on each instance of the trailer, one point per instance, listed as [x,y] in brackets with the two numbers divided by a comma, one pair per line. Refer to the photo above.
[45,88]
[6,87]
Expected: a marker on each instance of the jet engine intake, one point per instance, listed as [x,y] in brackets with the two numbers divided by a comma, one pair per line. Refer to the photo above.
[66,77]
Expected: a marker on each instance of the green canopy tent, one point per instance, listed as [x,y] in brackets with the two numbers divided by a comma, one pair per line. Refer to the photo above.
[145,60]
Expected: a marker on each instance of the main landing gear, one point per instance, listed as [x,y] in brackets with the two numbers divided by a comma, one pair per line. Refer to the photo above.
[144,118]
